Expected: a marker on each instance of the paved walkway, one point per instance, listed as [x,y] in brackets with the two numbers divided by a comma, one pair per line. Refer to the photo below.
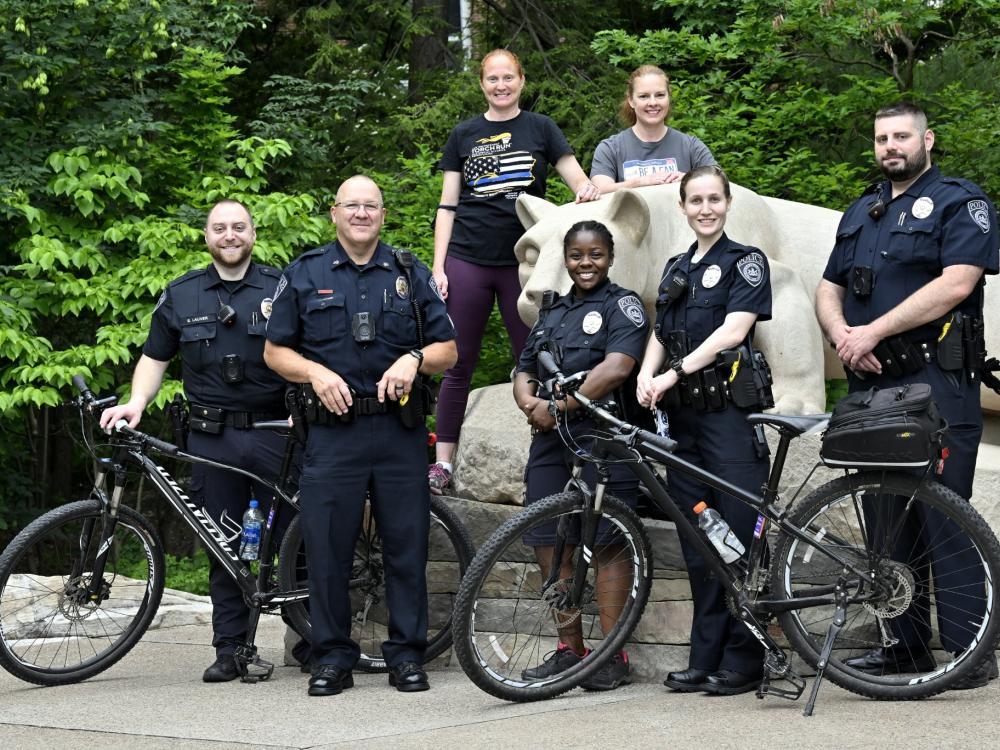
[154,699]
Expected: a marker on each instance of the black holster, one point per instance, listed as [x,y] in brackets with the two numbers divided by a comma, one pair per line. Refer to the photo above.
[179,420]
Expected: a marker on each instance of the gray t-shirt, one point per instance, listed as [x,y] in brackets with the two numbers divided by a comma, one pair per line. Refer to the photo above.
[623,156]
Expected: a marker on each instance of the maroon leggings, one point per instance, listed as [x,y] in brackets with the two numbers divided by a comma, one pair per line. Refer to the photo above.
[471,291]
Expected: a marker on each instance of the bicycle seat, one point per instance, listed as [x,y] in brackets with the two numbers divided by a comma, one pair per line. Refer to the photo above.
[806,424]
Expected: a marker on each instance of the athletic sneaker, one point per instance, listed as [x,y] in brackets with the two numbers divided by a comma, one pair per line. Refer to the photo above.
[555,662]
[615,673]
[439,479]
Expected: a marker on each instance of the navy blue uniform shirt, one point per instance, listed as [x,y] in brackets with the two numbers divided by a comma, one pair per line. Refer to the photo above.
[609,319]
[186,319]
[730,278]
[938,222]
[321,291]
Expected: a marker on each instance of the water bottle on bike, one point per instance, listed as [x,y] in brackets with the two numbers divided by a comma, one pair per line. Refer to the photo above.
[718,532]
[253,522]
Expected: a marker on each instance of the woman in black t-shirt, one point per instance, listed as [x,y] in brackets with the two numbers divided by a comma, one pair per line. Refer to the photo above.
[488,161]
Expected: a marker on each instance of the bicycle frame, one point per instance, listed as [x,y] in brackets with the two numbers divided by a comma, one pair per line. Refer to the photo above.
[214,539]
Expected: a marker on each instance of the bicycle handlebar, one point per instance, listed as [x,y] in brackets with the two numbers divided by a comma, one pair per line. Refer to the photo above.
[570,386]
[161,445]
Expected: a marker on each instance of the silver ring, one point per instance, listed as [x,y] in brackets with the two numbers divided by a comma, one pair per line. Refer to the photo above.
[400,388]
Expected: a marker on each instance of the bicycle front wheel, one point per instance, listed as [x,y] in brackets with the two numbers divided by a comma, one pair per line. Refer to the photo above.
[50,632]
[450,551]
[509,617]
[921,606]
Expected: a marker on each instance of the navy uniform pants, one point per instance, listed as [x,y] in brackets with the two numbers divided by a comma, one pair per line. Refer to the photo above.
[931,544]
[259,451]
[720,442]
[549,468]
[341,463]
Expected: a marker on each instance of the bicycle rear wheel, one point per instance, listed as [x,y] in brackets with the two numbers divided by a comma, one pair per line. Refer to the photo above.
[450,551]
[506,615]
[926,594]
[50,634]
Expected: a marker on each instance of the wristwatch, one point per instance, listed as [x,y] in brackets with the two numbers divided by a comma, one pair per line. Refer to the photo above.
[419,354]
[677,365]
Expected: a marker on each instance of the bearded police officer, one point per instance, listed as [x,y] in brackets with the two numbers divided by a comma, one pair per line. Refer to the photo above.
[356,322]
[216,317]
[901,300]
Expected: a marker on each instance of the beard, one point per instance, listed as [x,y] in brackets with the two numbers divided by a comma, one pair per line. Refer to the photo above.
[230,260]
[910,168]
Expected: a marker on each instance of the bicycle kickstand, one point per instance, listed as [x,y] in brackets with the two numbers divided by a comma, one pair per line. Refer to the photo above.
[839,618]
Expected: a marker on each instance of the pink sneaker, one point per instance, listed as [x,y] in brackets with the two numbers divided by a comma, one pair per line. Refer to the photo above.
[439,479]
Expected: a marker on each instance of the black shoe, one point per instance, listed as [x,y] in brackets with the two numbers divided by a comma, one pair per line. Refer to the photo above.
[728,682]
[329,679]
[688,681]
[883,661]
[554,662]
[408,677]
[979,677]
[223,669]
[614,674]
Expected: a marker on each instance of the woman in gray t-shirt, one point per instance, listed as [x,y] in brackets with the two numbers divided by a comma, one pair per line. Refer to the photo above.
[648,152]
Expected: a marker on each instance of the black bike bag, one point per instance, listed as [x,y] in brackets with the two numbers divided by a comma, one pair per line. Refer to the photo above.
[888,428]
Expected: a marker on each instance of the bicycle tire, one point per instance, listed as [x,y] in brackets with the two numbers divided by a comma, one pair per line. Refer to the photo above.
[834,514]
[503,622]
[46,636]
[451,551]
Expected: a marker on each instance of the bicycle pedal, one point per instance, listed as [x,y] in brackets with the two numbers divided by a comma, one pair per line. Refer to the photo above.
[767,686]
[255,670]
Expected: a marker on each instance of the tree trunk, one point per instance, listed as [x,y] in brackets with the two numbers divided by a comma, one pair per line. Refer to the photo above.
[428,51]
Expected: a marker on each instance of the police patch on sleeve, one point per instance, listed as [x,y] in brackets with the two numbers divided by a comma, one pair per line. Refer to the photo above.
[980,212]
[751,268]
[160,301]
[282,283]
[632,307]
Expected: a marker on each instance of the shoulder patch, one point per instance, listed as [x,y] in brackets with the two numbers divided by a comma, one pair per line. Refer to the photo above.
[751,267]
[282,283]
[979,210]
[160,301]
[631,306]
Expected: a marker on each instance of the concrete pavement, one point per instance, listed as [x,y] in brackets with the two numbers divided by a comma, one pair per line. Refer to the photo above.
[154,699]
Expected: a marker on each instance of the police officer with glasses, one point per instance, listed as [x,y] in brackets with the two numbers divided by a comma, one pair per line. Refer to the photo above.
[359,323]
[215,318]
[901,301]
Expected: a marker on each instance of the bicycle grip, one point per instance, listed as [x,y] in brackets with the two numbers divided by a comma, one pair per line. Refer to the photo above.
[162,445]
[548,363]
[81,385]
[659,441]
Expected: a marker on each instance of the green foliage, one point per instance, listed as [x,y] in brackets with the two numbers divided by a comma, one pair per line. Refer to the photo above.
[182,573]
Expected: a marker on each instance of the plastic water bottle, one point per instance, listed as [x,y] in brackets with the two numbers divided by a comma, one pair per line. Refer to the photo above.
[253,522]
[718,532]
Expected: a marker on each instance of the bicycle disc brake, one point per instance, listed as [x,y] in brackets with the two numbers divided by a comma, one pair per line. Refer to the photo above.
[557,599]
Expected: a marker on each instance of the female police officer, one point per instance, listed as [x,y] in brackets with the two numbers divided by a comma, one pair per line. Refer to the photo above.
[710,298]
[600,327]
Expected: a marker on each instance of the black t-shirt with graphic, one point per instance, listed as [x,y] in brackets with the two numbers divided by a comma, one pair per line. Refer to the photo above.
[498,161]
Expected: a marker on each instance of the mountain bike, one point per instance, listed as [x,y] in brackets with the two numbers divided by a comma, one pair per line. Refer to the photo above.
[81,584]
[841,570]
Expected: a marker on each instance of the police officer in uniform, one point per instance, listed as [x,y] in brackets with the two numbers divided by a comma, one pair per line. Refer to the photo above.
[901,300]
[600,327]
[347,321]
[709,301]
[216,318]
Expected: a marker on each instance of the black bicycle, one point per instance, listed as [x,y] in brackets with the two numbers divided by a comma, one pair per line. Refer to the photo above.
[81,584]
[838,569]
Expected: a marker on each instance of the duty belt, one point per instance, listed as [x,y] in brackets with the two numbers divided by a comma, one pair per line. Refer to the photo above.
[212,418]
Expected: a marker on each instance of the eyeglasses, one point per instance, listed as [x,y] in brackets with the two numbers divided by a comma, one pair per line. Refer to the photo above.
[353,208]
